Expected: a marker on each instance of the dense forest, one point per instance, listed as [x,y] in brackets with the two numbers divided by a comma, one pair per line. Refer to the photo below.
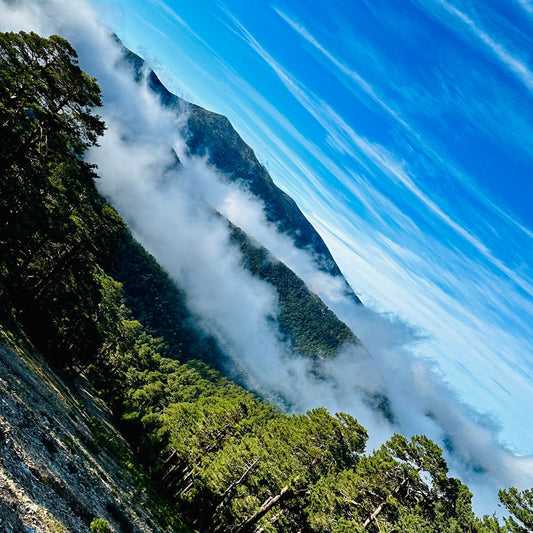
[93,301]
[312,328]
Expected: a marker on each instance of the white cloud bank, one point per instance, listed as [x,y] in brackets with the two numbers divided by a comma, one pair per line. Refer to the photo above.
[171,211]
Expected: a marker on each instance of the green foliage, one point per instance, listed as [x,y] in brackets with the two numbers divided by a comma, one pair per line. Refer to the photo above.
[216,450]
[402,486]
[100,525]
[56,233]
[313,329]
[46,100]
[156,301]
[520,505]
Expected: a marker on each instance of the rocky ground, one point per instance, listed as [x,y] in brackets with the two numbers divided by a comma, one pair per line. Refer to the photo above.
[56,473]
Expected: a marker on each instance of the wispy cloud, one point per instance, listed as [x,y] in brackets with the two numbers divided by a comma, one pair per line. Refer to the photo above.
[497,50]
[517,136]
[414,283]
[526,4]
[152,27]
[351,74]
[432,277]
[455,295]
[169,12]
[337,127]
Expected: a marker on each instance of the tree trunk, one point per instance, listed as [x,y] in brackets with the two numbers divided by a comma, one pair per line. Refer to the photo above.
[57,271]
[381,506]
[227,496]
[269,503]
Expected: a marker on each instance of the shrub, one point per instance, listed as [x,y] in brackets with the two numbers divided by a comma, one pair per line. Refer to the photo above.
[100,525]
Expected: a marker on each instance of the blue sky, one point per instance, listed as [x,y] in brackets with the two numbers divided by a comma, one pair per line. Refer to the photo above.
[404,131]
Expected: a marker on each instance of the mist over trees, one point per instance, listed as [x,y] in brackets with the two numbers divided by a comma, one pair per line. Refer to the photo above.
[77,284]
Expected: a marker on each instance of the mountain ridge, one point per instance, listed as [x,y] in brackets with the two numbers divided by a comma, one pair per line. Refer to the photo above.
[212,134]
[305,323]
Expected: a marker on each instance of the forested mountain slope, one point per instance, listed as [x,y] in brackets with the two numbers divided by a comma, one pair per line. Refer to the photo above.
[223,459]
[212,134]
[305,322]
[314,329]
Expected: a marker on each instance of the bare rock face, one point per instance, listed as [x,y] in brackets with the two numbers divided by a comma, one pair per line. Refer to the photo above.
[55,476]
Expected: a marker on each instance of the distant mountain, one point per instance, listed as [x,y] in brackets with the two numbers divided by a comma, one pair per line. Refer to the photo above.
[312,328]
[307,325]
[213,135]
